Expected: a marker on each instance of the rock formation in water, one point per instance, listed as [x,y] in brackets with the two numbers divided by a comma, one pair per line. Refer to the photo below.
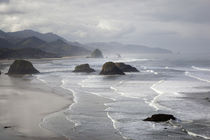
[160,118]
[126,68]
[109,68]
[83,68]
[96,54]
[22,67]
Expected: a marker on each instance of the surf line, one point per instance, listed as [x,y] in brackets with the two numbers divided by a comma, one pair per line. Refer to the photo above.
[154,102]
[195,77]
[75,101]
[189,132]
[200,69]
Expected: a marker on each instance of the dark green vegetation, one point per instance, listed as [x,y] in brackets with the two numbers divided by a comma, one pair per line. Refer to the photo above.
[126,68]
[160,118]
[22,67]
[96,54]
[83,68]
[31,44]
[109,68]
[24,53]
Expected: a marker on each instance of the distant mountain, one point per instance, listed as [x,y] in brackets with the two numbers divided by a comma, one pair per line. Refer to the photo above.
[47,44]
[30,42]
[24,53]
[65,49]
[58,47]
[115,47]
[2,34]
[5,44]
[48,37]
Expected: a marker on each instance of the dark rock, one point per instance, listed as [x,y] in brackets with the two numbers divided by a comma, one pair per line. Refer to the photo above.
[96,54]
[207,99]
[83,68]
[6,127]
[22,67]
[160,118]
[126,68]
[109,68]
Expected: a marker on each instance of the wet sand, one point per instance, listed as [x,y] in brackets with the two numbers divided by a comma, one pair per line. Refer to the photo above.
[24,102]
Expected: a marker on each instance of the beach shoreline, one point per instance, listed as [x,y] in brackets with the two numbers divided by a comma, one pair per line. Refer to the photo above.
[24,102]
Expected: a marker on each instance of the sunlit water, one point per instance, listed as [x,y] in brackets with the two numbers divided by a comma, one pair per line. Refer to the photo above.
[160,87]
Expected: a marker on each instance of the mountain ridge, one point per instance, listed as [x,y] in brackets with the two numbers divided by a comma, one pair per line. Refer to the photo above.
[120,48]
[55,45]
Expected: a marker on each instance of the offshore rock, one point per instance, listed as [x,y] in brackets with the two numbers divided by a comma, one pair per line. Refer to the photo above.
[83,68]
[126,68]
[109,68]
[160,118]
[22,67]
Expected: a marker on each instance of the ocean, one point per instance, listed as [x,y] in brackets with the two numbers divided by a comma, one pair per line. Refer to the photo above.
[115,106]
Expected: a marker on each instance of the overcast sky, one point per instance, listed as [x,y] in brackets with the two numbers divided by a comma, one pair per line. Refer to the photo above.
[174,24]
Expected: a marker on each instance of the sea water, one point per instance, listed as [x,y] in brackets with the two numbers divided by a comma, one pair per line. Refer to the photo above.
[106,104]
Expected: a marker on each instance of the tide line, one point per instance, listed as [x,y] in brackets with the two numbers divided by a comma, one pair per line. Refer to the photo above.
[153,102]
[195,77]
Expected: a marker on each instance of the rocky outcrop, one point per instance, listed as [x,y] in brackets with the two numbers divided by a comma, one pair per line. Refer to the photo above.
[96,54]
[126,68]
[109,68]
[83,68]
[160,118]
[22,67]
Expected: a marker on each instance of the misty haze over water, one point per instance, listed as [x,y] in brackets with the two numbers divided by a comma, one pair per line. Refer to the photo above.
[104,70]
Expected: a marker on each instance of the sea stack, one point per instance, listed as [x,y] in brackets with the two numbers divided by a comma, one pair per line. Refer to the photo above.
[126,68]
[109,68]
[96,54]
[160,118]
[22,67]
[83,68]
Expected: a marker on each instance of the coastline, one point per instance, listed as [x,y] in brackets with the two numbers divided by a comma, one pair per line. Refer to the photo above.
[24,102]
[42,59]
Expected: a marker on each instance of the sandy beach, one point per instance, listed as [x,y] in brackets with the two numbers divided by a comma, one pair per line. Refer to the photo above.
[24,102]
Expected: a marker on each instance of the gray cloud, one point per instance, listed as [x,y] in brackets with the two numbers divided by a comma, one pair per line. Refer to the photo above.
[185,11]
[4,1]
[175,24]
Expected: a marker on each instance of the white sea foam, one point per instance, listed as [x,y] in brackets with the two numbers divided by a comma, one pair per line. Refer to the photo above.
[197,135]
[122,93]
[200,69]
[114,122]
[152,71]
[132,60]
[97,94]
[38,77]
[57,70]
[67,88]
[154,102]
[196,77]
[190,133]
[76,123]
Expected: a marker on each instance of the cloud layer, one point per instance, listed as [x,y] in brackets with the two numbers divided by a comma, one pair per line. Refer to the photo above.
[174,24]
